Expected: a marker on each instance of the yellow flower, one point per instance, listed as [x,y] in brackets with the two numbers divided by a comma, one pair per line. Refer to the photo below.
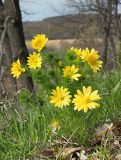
[76,51]
[92,59]
[34,60]
[84,54]
[16,69]
[55,125]
[86,100]
[71,72]
[39,41]
[60,97]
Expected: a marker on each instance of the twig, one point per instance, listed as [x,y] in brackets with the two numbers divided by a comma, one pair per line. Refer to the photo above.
[66,143]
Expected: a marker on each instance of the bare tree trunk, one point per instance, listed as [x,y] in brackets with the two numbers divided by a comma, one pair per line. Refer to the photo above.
[14,47]
[6,83]
[117,22]
[106,22]
[1,52]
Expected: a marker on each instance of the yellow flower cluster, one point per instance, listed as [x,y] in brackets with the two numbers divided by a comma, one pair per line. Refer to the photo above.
[89,56]
[76,51]
[83,100]
[34,59]
[60,97]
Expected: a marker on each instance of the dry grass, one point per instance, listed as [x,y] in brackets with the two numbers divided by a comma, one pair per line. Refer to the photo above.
[63,44]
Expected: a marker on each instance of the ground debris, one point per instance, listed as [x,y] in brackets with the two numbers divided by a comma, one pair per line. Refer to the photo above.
[45,154]
[105,145]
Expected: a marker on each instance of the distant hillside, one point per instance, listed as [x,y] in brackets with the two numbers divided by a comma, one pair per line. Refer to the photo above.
[61,27]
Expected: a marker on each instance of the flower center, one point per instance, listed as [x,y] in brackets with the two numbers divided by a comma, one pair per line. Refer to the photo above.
[35,60]
[70,73]
[92,60]
[86,100]
[38,42]
[62,97]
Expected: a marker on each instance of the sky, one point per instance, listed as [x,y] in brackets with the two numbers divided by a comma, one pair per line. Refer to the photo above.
[34,10]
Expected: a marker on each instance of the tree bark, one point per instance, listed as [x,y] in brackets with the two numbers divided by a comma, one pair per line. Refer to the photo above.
[14,47]
[117,22]
[106,24]
[1,52]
